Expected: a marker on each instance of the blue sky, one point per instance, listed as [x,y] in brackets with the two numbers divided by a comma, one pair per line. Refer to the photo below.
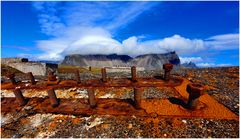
[202,32]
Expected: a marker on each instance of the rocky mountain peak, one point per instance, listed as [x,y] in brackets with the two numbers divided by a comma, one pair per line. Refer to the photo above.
[149,61]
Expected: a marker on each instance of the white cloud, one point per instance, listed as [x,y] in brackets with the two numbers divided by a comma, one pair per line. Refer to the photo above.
[203,65]
[182,45]
[49,19]
[190,59]
[55,16]
[91,40]
[134,46]
[223,42]
[101,42]
[129,13]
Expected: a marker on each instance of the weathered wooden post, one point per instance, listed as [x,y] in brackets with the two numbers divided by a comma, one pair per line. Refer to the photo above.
[167,69]
[51,76]
[30,75]
[104,75]
[91,98]
[53,97]
[137,97]
[20,98]
[134,74]
[78,79]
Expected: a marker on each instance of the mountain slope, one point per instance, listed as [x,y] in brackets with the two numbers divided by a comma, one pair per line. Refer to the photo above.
[148,61]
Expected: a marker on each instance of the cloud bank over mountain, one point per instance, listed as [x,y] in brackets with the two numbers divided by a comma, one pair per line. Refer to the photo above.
[88,28]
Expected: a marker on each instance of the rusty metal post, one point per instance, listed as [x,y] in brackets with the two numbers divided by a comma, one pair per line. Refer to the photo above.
[104,75]
[51,76]
[12,79]
[137,98]
[167,69]
[53,97]
[20,98]
[31,78]
[195,91]
[78,79]
[91,98]
[134,74]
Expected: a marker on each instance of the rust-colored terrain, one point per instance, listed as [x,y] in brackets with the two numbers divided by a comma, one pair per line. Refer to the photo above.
[185,103]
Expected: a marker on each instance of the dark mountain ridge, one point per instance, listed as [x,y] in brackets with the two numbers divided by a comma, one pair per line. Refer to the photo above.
[148,61]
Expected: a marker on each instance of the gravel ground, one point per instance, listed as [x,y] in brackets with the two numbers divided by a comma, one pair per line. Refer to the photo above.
[118,127]
[65,126]
[223,83]
[164,92]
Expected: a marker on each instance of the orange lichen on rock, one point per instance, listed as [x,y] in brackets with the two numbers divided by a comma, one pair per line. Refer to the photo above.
[68,83]
[52,126]
[105,126]
[164,107]
[76,120]
[176,122]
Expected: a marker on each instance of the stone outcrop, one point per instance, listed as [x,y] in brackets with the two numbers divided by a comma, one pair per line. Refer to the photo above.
[22,64]
[13,60]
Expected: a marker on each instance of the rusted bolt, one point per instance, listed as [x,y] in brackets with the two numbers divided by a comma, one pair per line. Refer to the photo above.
[195,91]
[137,97]
[78,79]
[133,72]
[104,75]
[167,69]
[53,97]
[91,98]
[90,68]
[20,98]
[51,76]
[12,79]
[31,78]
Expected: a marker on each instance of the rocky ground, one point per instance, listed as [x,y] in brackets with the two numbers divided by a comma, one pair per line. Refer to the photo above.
[222,84]
[65,126]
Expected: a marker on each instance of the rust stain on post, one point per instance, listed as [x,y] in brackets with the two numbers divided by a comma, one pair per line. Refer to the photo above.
[33,82]
[104,75]
[195,91]
[137,98]
[20,98]
[167,69]
[134,74]
[91,98]
[53,98]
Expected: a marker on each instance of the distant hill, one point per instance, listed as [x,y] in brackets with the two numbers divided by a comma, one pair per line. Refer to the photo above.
[148,61]
[189,65]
